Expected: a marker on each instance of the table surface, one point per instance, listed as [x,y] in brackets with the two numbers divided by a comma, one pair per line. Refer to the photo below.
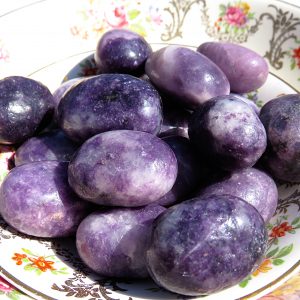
[290,290]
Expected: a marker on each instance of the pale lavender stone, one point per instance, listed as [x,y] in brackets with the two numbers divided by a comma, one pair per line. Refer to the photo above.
[122,51]
[123,168]
[281,118]
[251,185]
[48,146]
[26,106]
[186,75]
[113,242]
[206,244]
[36,199]
[109,102]
[245,69]
[228,133]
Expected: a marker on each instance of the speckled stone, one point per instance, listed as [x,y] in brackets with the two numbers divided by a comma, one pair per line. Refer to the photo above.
[36,199]
[281,118]
[123,168]
[204,245]
[228,133]
[113,243]
[245,69]
[48,146]
[24,104]
[189,171]
[251,185]
[122,51]
[110,102]
[187,76]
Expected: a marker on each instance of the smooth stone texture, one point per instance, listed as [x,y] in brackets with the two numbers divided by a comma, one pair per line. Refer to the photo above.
[251,185]
[248,101]
[25,107]
[109,102]
[36,199]
[113,242]
[281,118]
[48,146]
[123,168]
[228,133]
[122,51]
[189,171]
[245,69]
[206,244]
[187,76]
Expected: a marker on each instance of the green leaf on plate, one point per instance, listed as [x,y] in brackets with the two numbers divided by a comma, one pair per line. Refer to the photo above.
[29,267]
[275,241]
[27,251]
[38,271]
[14,295]
[245,282]
[292,231]
[132,14]
[293,64]
[272,252]
[269,226]
[222,8]
[298,226]
[295,221]
[138,28]
[277,262]
[285,251]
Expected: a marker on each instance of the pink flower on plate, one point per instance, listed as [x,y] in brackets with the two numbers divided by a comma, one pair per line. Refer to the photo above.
[235,16]
[5,286]
[117,17]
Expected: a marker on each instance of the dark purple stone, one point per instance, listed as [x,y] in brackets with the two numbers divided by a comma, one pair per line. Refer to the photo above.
[206,244]
[122,51]
[109,102]
[26,106]
[281,118]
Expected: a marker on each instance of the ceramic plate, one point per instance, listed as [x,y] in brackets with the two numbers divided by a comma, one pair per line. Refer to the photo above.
[62,36]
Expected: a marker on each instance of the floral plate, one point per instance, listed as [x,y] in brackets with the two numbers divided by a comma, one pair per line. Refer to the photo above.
[51,269]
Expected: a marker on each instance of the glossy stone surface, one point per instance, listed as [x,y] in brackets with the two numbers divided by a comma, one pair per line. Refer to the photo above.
[48,146]
[109,102]
[122,51]
[123,168]
[245,69]
[36,199]
[189,171]
[251,185]
[228,133]
[187,76]
[113,242]
[281,117]
[206,244]
[25,106]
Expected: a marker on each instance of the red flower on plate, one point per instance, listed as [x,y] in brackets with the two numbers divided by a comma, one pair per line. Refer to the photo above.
[117,17]
[5,286]
[296,55]
[18,258]
[235,16]
[42,264]
[280,230]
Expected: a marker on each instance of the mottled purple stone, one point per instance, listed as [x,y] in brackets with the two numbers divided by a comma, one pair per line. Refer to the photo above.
[48,146]
[228,132]
[123,168]
[189,171]
[63,88]
[245,69]
[206,244]
[26,106]
[187,76]
[36,199]
[122,51]
[113,242]
[246,100]
[251,185]
[109,102]
[281,118]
